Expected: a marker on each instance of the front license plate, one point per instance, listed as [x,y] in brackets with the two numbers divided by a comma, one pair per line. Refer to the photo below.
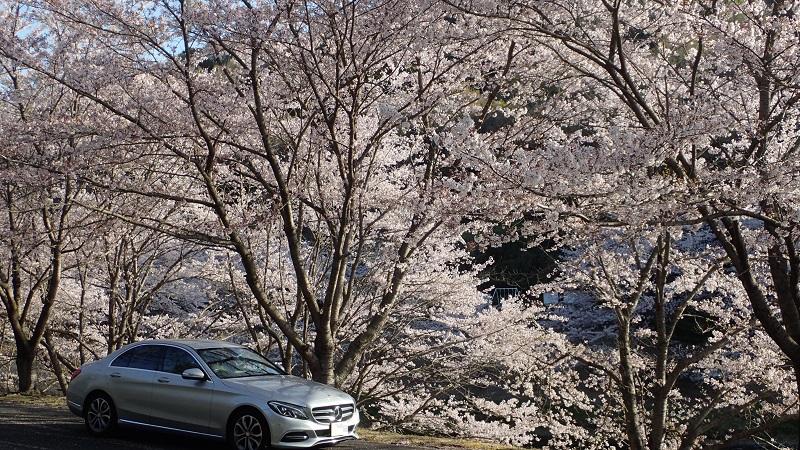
[338,429]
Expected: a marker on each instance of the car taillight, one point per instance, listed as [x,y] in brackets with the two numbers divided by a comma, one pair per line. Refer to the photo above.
[75,374]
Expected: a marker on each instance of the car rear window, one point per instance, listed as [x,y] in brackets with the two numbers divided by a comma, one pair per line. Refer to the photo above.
[147,357]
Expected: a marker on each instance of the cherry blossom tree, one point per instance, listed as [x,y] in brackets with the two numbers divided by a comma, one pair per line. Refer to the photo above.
[48,238]
[128,268]
[653,345]
[329,156]
[319,141]
[676,114]
[39,226]
[689,356]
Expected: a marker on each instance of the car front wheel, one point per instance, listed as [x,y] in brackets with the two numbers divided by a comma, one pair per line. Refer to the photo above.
[100,415]
[248,430]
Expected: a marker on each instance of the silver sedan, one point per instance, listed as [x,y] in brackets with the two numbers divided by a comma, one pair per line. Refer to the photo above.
[209,388]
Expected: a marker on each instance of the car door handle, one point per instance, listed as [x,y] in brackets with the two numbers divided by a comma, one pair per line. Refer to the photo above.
[163,380]
[116,375]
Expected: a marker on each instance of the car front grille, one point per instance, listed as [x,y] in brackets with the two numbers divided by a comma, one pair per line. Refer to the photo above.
[333,413]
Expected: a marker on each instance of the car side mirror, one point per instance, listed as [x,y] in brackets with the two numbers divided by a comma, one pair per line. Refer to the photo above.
[194,374]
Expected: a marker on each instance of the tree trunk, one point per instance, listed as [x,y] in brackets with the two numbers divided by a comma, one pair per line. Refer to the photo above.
[55,363]
[797,381]
[324,349]
[661,390]
[628,385]
[25,360]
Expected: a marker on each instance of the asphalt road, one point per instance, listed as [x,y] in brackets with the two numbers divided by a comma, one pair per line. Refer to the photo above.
[52,427]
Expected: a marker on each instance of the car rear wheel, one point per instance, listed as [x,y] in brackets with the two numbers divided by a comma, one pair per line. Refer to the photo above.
[248,430]
[100,415]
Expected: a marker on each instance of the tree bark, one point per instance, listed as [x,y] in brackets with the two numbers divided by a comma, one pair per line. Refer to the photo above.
[55,362]
[797,381]
[25,373]
[662,389]
[628,385]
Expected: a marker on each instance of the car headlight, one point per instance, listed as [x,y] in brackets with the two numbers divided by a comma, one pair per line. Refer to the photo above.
[288,410]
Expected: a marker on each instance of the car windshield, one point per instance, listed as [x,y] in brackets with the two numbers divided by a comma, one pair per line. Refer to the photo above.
[236,362]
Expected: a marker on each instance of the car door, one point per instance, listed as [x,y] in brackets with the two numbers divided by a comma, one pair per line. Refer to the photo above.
[130,383]
[178,403]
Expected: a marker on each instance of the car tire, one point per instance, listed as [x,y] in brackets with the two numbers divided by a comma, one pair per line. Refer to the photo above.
[248,430]
[100,415]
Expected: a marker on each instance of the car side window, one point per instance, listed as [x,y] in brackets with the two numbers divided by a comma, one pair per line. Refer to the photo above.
[147,357]
[122,360]
[177,360]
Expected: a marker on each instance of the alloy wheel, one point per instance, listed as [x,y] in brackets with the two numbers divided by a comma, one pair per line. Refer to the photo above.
[248,433]
[99,415]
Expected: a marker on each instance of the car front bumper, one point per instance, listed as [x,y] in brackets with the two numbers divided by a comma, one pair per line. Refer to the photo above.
[294,433]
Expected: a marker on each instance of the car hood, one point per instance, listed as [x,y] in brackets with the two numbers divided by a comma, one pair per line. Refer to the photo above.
[290,389]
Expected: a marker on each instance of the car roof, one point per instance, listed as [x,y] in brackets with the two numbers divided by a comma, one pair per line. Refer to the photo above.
[196,344]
